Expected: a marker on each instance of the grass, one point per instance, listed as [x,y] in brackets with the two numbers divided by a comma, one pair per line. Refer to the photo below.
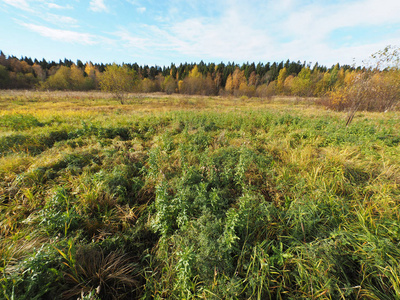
[173,197]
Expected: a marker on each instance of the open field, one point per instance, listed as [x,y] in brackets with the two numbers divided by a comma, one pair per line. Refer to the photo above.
[183,197]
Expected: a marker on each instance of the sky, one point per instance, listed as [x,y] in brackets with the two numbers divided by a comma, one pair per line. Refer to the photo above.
[157,32]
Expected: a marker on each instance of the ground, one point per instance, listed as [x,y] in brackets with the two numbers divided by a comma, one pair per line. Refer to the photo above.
[172,197]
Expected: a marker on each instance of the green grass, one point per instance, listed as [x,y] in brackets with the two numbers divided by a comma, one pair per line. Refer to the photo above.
[180,198]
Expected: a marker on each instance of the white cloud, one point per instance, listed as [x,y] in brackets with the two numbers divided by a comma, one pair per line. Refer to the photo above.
[21,4]
[131,41]
[62,35]
[272,31]
[60,20]
[309,29]
[233,30]
[232,37]
[28,5]
[229,39]
[141,9]
[98,6]
[56,6]
[317,21]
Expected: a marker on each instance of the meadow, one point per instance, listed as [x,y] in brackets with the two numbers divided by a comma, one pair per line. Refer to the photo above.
[195,197]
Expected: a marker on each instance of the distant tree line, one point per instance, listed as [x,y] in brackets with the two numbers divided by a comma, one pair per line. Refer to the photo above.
[249,79]
[187,78]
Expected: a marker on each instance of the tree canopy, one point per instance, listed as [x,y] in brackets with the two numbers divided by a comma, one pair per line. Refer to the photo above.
[118,80]
[249,79]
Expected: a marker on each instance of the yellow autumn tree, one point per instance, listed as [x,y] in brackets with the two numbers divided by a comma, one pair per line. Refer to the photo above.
[281,80]
[287,84]
[180,86]
[194,73]
[246,90]
[76,78]
[323,85]
[238,78]
[340,78]
[169,85]
[118,80]
[92,73]
[301,84]
[192,84]
[229,84]
[253,79]
[148,86]
[197,84]
[59,80]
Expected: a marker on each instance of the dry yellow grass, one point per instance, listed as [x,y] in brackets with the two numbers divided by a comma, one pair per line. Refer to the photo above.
[87,104]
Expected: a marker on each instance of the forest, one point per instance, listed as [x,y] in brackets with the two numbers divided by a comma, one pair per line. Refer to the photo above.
[25,73]
[376,88]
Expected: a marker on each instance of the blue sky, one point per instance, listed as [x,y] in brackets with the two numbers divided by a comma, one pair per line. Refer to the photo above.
[156,32]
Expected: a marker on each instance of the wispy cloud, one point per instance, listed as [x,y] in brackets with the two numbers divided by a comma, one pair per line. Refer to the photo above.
[98,6]
[141,9]
[56,6]
[262,32]
[60,20]
[309,28]
[60,35]
[317,20]
[21,4]
[229,37]
[219,30]
[130,41]
[35,5]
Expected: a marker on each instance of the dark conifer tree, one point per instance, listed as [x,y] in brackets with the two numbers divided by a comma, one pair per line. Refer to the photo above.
[43,64]
[80,64]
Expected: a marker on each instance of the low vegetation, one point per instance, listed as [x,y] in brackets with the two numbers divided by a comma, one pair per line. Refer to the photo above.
[173,197]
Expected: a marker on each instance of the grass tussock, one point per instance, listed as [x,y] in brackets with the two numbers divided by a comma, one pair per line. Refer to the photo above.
[197,197]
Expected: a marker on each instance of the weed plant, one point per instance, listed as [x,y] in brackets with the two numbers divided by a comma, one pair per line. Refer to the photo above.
[234,199]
